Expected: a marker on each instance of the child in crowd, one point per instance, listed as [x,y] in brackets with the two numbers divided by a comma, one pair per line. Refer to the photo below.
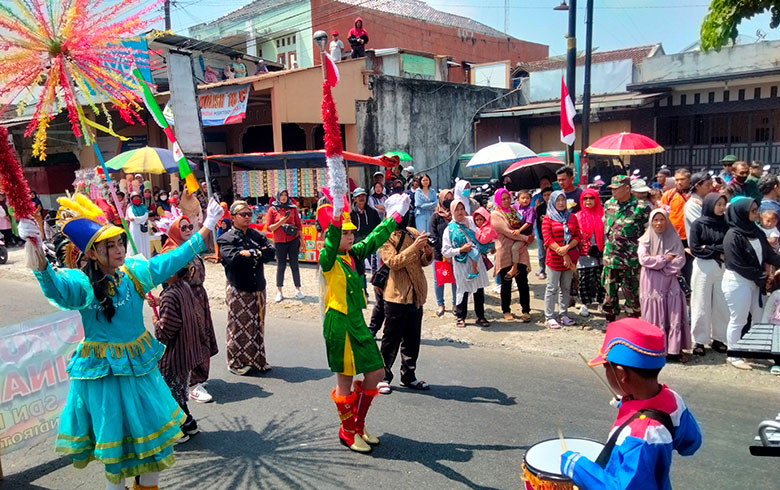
[517,221]
[525,212]
[652,420]
[769,227]
[541,211]
[485,235]
[772,310]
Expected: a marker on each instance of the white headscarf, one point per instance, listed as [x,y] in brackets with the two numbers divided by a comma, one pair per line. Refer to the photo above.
[458,193]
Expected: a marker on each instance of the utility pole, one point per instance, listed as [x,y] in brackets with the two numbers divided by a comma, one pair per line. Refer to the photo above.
[586,78]
[506,16]
[167,10]
[571,65]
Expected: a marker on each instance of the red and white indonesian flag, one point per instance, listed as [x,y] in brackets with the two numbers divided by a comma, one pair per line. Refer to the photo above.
[331,71]
[567,116]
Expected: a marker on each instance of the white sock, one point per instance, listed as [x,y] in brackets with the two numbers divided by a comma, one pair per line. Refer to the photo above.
[149,479]
[116,486]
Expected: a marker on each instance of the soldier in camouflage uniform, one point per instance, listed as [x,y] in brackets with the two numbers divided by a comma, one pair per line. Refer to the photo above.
[625,220]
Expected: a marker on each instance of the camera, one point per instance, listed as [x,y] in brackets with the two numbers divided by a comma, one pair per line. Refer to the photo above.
[431,241]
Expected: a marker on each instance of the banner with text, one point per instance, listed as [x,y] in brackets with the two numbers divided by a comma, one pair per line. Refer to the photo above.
[218,106]
[33,382]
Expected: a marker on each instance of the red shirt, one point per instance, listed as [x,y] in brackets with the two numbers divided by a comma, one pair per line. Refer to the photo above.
[552,232]
[274,215]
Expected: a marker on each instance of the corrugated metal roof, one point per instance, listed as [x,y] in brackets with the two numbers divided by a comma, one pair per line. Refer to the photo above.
[631,99]
[413,9]
[636,54]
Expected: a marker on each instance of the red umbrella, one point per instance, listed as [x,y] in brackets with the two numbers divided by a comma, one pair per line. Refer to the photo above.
[620,144]
[526,173]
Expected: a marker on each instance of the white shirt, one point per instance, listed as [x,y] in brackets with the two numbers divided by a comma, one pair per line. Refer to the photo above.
[336,48]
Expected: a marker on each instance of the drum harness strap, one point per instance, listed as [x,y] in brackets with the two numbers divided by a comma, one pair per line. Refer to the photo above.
[654,414]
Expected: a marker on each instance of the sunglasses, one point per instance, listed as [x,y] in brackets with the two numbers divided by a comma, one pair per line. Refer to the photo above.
[187,228]
[246,214]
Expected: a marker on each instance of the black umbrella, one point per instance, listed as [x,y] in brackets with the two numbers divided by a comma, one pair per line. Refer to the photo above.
[526,173]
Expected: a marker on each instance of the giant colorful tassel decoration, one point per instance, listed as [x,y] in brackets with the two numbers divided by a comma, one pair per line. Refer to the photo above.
[12,179]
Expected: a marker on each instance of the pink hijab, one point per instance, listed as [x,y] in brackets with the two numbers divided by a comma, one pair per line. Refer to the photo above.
[664,243]
[497,200]
[590,219]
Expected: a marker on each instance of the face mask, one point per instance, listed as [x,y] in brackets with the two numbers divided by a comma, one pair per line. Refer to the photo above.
[163,197]
[466,192]
[136,201]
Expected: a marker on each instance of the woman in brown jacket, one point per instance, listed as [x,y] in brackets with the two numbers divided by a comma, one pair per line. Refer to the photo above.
[404,295]
[506,237]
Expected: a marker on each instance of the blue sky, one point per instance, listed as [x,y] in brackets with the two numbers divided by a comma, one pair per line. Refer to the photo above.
[617,23]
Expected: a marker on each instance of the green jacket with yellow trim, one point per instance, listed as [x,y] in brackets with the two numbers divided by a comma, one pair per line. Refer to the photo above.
[345,285]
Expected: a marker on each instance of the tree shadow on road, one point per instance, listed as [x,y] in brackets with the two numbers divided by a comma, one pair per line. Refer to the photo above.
[233,392]
[468,394]
[23,480]
[289,452]
[434,455]
[445,342]
[298,374]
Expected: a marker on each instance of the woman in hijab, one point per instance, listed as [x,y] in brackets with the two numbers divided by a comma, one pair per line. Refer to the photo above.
[746,251]
[284,221]
[137,220]
[561,235]
[163,206]
[38,213]
[507,237]
[462,192]
[589,264]
[709,312]
[439,220]
[662,257]
[460,244]
[195,275]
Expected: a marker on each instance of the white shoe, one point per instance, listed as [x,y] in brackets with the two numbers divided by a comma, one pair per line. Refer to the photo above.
[184,438]
[279,297]
[199,394]
[299,294]
[584,311]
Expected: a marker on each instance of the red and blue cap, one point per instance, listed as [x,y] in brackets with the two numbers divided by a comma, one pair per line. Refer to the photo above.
[634,343]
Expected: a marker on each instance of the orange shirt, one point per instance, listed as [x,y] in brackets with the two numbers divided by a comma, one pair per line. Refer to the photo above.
[676,202]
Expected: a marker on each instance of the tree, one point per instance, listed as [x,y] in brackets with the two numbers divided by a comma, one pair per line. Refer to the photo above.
[720,24]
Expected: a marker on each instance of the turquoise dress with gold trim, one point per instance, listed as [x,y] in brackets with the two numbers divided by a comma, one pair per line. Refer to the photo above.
[119,410]
[350,346]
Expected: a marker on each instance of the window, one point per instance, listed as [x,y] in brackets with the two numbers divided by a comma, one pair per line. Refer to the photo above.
[278,45]
[741,93]
[773,91]
[757,93]
[711,97]
[696,99]
[293,41]
[725,96]
[683,99]
[281,58]
[292,60]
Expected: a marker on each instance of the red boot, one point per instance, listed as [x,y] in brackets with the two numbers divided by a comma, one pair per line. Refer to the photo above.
[365,397]
[347,433]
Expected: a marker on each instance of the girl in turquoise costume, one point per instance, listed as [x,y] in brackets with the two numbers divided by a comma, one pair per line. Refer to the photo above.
[119,409]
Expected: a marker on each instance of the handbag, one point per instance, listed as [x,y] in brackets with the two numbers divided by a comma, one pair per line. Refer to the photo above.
[487,262]
[443,271]
[144,228]
[290,230]
[379,279]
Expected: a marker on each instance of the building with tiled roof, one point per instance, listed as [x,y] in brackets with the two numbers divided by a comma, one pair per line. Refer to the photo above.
[636,54]
[282,31]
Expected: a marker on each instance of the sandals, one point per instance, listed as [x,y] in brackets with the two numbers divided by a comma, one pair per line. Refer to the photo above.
[740,364]
[472,276]
[525,318]
[699,350]
[384,388]
[719,346]
[508,316]
[460,323]
[482,322]
[440,311]
[417,385]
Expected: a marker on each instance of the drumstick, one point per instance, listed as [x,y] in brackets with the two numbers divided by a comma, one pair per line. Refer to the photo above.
[560,434]
[609,388]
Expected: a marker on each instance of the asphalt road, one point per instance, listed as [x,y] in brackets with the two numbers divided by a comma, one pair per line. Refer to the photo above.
[486,407]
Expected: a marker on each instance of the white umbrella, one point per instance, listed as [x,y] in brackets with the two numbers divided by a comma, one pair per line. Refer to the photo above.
[499,153]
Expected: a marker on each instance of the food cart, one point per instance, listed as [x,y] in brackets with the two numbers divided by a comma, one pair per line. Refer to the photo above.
[302,173]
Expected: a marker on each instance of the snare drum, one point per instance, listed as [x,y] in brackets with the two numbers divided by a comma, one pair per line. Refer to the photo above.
[542,462]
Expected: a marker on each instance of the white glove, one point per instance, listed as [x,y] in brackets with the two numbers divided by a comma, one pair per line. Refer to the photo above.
[338,205]
[33,250]
[397,203]
[214,213]
[29,230]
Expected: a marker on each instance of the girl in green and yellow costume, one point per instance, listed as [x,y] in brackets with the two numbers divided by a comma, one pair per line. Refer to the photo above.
[350,346]
[119,410]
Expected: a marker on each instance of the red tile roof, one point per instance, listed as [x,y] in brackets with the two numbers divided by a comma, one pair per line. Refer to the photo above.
[636,54]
